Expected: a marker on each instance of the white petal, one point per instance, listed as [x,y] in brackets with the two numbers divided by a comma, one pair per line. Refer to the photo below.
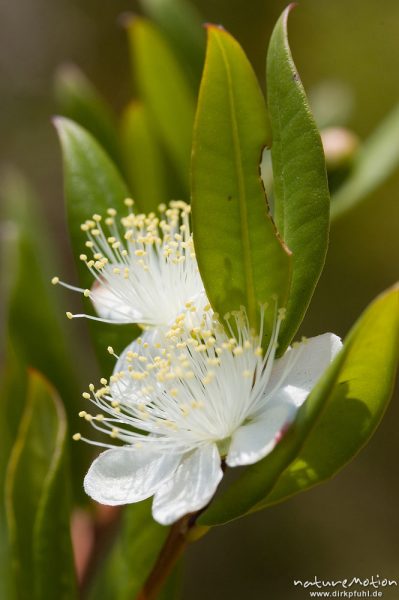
[124,475]
[110,306]
[191,488]
[255,440]
[126,385]
[309,361]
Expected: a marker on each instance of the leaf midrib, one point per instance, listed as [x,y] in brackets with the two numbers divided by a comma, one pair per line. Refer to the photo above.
[242,199]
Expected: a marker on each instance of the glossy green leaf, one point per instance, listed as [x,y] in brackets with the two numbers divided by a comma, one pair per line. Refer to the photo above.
[164,89]
[79,100]
[144,158]
[376,160]
[37,499]
[31,306]
[301,198]
[133,555]
[337,419]
[241,260]
[92,185]
[182,25]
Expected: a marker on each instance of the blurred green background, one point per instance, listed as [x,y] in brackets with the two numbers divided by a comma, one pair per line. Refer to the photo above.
[349,526]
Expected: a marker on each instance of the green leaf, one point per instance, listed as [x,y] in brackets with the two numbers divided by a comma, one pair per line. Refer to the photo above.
[144,160]
[133,555]
[12,400]
[241,260]
[181,23]
[376,160]
[164,89]
[80,101]
[336,421]
[32,311]
[92,185]
[38,500]
[301,198]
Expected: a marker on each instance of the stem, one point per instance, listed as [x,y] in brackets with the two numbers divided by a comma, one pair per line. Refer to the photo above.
[181,533]
[173,548]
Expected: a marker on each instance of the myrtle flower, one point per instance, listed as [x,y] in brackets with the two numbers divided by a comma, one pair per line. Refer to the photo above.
[188,401]
[144,267]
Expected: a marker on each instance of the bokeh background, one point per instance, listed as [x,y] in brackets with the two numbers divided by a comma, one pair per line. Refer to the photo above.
[349,526]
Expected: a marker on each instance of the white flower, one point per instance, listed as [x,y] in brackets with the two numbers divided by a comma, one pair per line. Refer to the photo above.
[147,274]
[190,399]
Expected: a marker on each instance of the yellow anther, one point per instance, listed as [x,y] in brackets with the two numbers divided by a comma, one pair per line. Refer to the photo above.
[114,433]
[259,351]
[69,315]
[82,413]
[86,395]
[116,270]
[99,417]
[83,257]
[86,293]
[88,417]
[76,437]
[89,244]
[103,381]
[128,202]
[282,313]
[110,350]
[55,280]
[97,218]
[111,212]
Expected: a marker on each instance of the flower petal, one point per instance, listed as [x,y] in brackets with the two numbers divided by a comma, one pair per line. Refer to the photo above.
[191,488]
[124,475]
[253,441]
[301,367]
[110,306]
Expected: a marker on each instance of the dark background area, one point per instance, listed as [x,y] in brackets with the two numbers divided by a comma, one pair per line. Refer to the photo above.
[349,526]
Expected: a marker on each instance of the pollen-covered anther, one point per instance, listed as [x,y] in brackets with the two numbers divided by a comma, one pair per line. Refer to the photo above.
[238,351]
[76,437]
[209,378]
[86,395]
[55,280]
